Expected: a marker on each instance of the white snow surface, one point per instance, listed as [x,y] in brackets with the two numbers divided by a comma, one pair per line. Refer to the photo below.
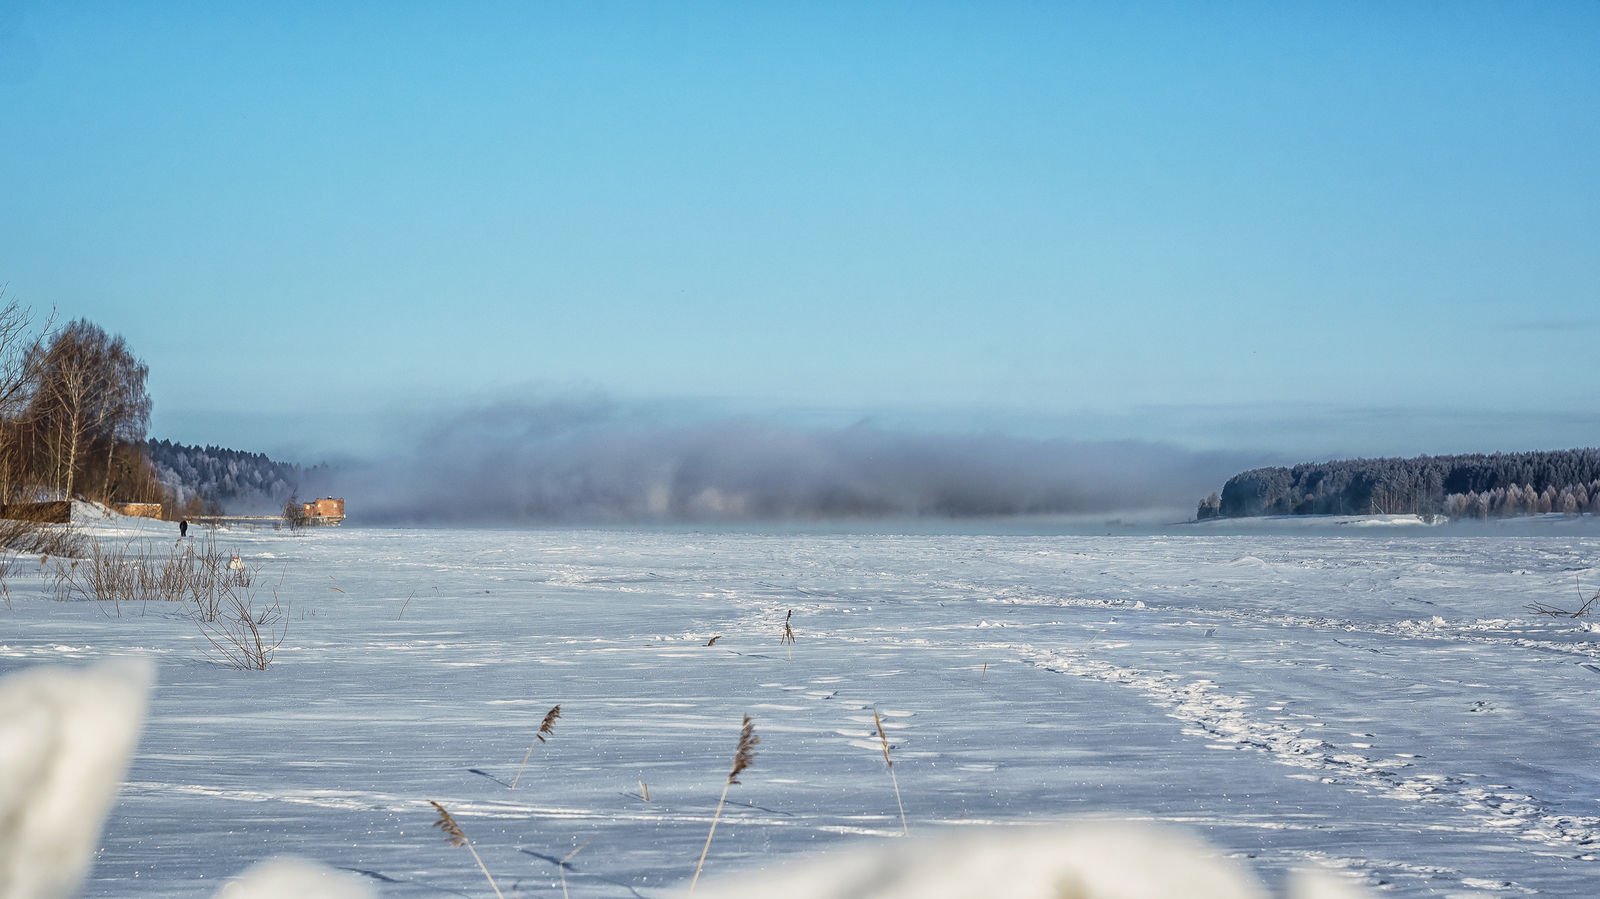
[1378,704]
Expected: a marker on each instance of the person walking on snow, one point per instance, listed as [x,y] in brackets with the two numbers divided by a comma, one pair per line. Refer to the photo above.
[183,528]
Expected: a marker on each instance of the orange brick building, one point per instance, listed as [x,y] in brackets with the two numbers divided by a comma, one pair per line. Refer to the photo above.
[323,511]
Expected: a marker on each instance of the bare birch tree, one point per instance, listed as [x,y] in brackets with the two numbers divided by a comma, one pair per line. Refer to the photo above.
[20,354]
[90,391]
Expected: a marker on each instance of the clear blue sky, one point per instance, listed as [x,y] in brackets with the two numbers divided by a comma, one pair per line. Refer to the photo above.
[1297,227]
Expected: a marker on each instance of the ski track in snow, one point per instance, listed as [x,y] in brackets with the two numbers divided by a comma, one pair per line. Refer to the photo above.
[1223,718]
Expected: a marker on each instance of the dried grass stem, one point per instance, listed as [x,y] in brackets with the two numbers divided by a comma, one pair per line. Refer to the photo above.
[743,758]
[884,739]
[447,823]
[547,726]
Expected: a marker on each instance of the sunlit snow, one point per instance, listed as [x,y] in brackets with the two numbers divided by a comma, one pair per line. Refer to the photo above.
[1377,704]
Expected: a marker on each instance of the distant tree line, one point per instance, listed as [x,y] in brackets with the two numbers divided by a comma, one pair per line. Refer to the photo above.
[73,414]
[1467,486]
[214,478]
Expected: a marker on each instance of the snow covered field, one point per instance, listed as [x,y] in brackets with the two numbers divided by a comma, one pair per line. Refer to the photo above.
[1378,702]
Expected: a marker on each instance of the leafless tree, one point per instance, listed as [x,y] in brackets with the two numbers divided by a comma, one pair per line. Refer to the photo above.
[127,406]
[90,391]
[294,513]
[20,345]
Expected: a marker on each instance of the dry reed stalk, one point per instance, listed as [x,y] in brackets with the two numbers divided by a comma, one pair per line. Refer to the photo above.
[404,604]
[890,762]
[448,824]
[788,635]
[743,758]
[713,639]
[563,866]
[547,726]
[7,560]
[644,790]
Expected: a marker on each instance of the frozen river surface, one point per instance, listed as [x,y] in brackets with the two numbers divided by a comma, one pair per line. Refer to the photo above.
[1373,703]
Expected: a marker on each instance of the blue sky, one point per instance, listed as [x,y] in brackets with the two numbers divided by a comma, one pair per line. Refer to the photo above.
[1309,229]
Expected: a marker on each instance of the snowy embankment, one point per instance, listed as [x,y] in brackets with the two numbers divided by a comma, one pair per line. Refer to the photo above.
[1299,524]
[1381,705]
[1544,524]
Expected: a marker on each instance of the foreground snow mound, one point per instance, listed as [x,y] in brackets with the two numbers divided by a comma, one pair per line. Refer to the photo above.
[1091,859]
[66,736]
[292,878]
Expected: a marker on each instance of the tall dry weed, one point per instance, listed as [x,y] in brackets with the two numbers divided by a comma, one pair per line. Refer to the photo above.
[563,866]
[743,758]
[884,739]
[8,563]
[547,726]
[452,830]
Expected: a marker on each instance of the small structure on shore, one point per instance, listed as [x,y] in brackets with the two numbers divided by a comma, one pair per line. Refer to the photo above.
[137,510]
[328,511]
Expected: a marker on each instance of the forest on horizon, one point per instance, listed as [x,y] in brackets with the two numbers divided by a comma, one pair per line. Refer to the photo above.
[1497,485]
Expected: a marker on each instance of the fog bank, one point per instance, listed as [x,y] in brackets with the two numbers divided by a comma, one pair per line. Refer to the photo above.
[575,465]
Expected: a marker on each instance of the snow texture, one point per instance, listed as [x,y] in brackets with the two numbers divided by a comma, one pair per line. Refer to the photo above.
[1374,704]
[66,737]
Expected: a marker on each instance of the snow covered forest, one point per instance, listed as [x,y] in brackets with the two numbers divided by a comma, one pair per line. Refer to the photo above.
[1466,486]
[223,479]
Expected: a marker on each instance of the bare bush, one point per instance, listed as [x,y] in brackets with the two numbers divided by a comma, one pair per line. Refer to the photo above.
[193,572]
[241,634]
[21,535]
[218,588]
[1582,611]
[8,567]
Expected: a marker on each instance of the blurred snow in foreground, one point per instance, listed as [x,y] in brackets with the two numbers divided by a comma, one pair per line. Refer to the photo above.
[293,878]
[65,737]
[1089,859]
